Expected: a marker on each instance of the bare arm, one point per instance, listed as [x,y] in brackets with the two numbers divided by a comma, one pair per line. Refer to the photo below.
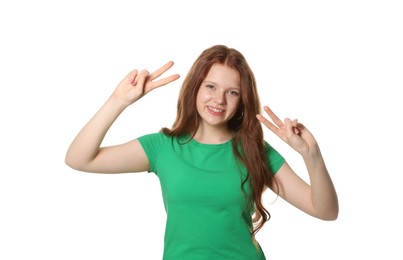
[319,198]
[85,152]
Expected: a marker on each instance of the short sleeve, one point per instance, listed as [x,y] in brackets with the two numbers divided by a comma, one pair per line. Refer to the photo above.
[276,160]
[151,144]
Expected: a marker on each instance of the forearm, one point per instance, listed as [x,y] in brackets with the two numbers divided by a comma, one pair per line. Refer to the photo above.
[86,144]
[323,194]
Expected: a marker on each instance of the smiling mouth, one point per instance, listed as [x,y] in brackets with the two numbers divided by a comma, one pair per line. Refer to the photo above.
[215,110]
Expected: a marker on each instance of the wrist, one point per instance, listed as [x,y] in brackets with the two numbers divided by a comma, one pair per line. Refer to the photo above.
[312,154]
[117,103]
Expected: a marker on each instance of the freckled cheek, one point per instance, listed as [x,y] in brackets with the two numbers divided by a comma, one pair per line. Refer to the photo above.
[202,99]
[205,97]
[233,102]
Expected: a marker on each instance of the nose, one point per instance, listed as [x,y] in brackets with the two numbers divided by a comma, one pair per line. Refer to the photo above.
[219,97]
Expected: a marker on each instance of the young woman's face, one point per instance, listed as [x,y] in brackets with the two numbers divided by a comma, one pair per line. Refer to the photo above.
[219,95]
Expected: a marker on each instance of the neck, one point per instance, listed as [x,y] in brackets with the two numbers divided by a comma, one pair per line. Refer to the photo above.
[213,135]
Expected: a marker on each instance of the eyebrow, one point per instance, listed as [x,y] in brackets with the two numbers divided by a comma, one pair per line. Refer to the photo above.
[214,83]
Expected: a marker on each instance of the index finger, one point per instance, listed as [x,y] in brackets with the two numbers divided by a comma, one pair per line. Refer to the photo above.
[159,72]
[273,116]
[267,123]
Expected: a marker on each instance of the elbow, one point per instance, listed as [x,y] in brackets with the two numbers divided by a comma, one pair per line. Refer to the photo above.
[335,215]
[70,163]
[73,163]
[327,210]
[330,215]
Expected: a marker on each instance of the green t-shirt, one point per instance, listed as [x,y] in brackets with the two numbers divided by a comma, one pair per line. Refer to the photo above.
[207,211]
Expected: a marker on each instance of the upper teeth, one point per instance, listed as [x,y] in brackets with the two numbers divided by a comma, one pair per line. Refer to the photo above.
[215,109]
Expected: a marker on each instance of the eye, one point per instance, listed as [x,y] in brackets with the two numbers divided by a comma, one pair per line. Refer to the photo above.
[210,86]
[233,93]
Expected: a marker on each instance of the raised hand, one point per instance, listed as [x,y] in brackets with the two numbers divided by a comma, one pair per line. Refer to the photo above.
[137,84]
[290,131]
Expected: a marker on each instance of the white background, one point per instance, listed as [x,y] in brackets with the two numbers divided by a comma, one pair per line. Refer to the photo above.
[335,65]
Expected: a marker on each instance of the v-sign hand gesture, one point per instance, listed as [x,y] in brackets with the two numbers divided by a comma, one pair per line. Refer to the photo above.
[290,131]
[137,84]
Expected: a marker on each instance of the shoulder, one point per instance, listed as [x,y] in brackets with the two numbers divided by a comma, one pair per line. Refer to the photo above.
[153,137]
[158,139]
[275,159]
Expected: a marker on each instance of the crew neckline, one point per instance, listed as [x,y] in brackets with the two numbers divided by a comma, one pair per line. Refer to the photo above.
[226,143]
[194,142]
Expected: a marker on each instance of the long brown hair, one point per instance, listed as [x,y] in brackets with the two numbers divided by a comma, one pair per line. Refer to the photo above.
[248,130]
